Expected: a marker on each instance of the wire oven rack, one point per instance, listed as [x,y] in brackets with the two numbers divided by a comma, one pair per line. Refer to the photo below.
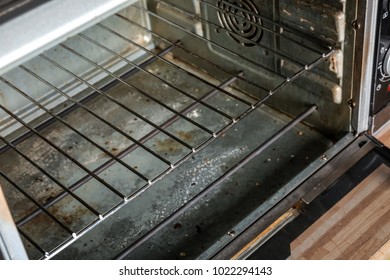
[160,127]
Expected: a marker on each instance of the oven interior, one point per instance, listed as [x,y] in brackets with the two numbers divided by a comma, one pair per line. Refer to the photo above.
[107,134]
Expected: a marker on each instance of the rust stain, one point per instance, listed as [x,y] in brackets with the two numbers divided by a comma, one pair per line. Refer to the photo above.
[171,146]
[333,64]
[69,217]
[115,151]
[185,135]
[336,63]
[168,146]
[41,222]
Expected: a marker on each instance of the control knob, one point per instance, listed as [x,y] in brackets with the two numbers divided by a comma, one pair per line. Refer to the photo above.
[386,64]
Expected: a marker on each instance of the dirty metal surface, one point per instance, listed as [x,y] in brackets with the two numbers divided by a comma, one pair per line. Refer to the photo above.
[211,222]
[198,230]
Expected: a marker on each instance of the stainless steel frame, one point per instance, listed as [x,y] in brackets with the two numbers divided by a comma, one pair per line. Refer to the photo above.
[368,22]
[46,26]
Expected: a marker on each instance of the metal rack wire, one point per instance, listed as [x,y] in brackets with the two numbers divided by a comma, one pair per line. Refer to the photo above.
[227,119]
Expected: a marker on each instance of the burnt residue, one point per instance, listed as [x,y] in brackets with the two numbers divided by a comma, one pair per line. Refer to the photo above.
[73,215]
[319,17]
[185,136]
[177,226]
[168,146]
[114,151]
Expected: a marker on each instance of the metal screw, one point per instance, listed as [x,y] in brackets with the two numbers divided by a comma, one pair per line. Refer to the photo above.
[324,157]
[351,103]
[356,25]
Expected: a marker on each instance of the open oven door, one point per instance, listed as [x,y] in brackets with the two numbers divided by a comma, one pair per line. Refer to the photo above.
[271,236]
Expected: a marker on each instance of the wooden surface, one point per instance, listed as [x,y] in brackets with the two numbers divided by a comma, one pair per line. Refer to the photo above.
[357,227]
[384,136]
[383,253]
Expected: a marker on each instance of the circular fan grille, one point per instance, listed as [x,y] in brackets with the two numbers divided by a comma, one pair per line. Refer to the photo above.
[239,18]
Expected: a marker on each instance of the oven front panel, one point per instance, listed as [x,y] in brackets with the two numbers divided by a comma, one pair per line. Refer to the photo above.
[381,88]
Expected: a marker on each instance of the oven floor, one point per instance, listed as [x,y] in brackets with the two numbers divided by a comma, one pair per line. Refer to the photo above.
[198,233]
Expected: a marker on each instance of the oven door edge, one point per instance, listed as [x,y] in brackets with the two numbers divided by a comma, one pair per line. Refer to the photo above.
[11,246]
[367,36]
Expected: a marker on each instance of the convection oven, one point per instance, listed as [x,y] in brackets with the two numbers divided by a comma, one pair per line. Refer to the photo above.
[164,129]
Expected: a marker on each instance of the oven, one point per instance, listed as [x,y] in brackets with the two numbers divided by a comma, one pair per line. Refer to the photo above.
[164,129]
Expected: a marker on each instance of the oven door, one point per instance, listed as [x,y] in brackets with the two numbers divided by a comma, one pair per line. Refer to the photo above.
[271,236]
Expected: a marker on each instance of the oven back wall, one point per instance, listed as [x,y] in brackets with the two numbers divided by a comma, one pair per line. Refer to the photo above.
[271,40]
